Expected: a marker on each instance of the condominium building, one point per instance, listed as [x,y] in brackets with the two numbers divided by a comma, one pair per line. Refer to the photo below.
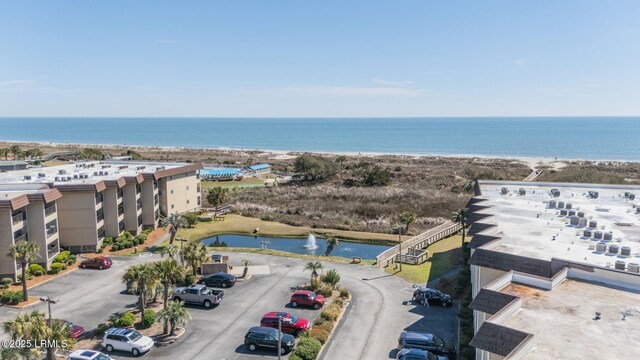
[28,213]
[106,198]
[555,270]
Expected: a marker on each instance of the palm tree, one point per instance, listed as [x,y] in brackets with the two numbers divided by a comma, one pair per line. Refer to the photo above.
[461,218]
[16,151]
[169,272]
[407,218]
[342,159]
[5,152]
[36,152]
[195,253]
[332,243]
[60,337]
[246,264]
[174,314]
[171,250]
[331,277]
[24,252]
[314,267]
[216,197]
[30,327]
[142,279]
[174,221]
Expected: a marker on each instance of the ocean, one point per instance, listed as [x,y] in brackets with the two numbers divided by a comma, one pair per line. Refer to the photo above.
[589,138]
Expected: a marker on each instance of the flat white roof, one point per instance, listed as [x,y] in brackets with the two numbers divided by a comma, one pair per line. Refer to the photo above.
[84,172]
[563,325]
[529,227]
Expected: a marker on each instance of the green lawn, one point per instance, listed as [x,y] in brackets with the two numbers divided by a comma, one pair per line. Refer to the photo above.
[245,182]
[290,255]
[442,258]
[237,224]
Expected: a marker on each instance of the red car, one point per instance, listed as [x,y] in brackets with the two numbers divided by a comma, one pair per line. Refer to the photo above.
[307,298]
[291,324]
[75,330]
[101,262]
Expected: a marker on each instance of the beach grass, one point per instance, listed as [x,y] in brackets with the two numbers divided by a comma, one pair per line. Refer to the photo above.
[242,225]
[245,182]
[443,257]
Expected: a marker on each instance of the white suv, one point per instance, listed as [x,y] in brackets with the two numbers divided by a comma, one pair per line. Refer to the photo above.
[126,340]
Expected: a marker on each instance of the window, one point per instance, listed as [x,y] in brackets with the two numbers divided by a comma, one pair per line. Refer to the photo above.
[120,193]
[120,209]
[198,187]
[99,215]
[52,228]
[172,191]
[172,206]
[187,201]
[49,209]
[187,187]
[98,198]
[199,200]
[19,216]
[101,233]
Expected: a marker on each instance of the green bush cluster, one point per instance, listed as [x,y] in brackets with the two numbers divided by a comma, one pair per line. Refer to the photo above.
[331,312]
[191,218]
[11,297]
[5,282]
[127,319]
[36,270]
[65,257]
[189,279]
[308,348]
[127,241]
[56,267]
[148,318]
[344,293]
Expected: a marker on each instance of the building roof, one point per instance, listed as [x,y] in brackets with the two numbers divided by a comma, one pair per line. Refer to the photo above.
[259,167]
[526,227]
[96,175]
[562,322]
[12,162]
[220,172]
[498,339]
[15,197]
[490,302]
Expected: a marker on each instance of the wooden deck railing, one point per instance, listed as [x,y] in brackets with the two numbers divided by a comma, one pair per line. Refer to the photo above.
[418,242]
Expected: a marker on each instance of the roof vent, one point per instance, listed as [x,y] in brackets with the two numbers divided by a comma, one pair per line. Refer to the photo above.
[62,171]
[601,248]
[634,268]
[597,316]
[586,233]
[613,249]
[608,236]
[555,192]
[593,194]
[621,265]
[561,204]
[597,234]
[522,192]
[625,251]
[552,204]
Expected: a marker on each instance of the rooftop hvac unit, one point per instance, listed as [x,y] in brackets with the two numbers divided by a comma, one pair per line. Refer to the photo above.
[608,236]
[593,194]
[27,177]
[569,205]
[75,176]
[123,167]
[57,178]
[62,171]
[522,192]
[106,166]
[571,212]
[601,248]
[95,173]
[586,233]
[632,196]
[41,175]
[101,172]
[613,249]
[597,234]
[638,210]
[563,212]
[573,220]
[582,222]
[634,268]
[620,265]
[625,251]
[552,204]
[561,204]
[555,192]
[140,167]
[106,173]
[581,213]
[593,224]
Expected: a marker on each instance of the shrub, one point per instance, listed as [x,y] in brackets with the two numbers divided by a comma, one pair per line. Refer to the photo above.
[135,242]
[141,238]
[72,259]
[189,279]
[319,334]
[338,301]
[324,290]
[100,250]
[331,312]
[64,266]
[36,270]
[56,267]
[11,297]
[129,244]
[107,241]
[62,257]
[326,325]
[294,357]
[308,348]
[191,218]
[148,318]
[266,217]
[125,320]
[102,327]
[331,277]
[5,282]
[314,284]
[344,293]
[115,247]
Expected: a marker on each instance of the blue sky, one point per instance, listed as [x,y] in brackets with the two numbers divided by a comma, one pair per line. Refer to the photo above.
[320,58]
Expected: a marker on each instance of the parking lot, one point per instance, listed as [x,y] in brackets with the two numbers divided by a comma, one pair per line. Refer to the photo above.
[377,314]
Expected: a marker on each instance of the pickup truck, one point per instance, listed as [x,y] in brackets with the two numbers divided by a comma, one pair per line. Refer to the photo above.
[198,294]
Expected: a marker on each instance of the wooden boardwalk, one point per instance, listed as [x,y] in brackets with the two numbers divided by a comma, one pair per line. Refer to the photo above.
[534,175]
[416,244]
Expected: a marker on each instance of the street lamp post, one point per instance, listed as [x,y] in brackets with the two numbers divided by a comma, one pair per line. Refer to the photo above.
[279,337]
[400,248]
[49,301]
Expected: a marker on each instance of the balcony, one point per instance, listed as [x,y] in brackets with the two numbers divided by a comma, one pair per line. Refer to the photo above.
[52,231]
[17,218]
[50,210]
[23,237]
[99,216]
[139,205]
[53,250]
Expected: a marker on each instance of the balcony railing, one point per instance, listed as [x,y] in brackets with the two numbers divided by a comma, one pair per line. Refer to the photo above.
[50,210]
[100,216]
[53,251]
[17,218]
[52,231]
[23,237]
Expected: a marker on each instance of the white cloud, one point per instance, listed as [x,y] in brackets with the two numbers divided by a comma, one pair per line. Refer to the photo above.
[401,83]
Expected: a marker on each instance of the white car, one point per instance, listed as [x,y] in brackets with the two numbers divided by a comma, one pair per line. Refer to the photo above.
[126,340]
[88,355]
